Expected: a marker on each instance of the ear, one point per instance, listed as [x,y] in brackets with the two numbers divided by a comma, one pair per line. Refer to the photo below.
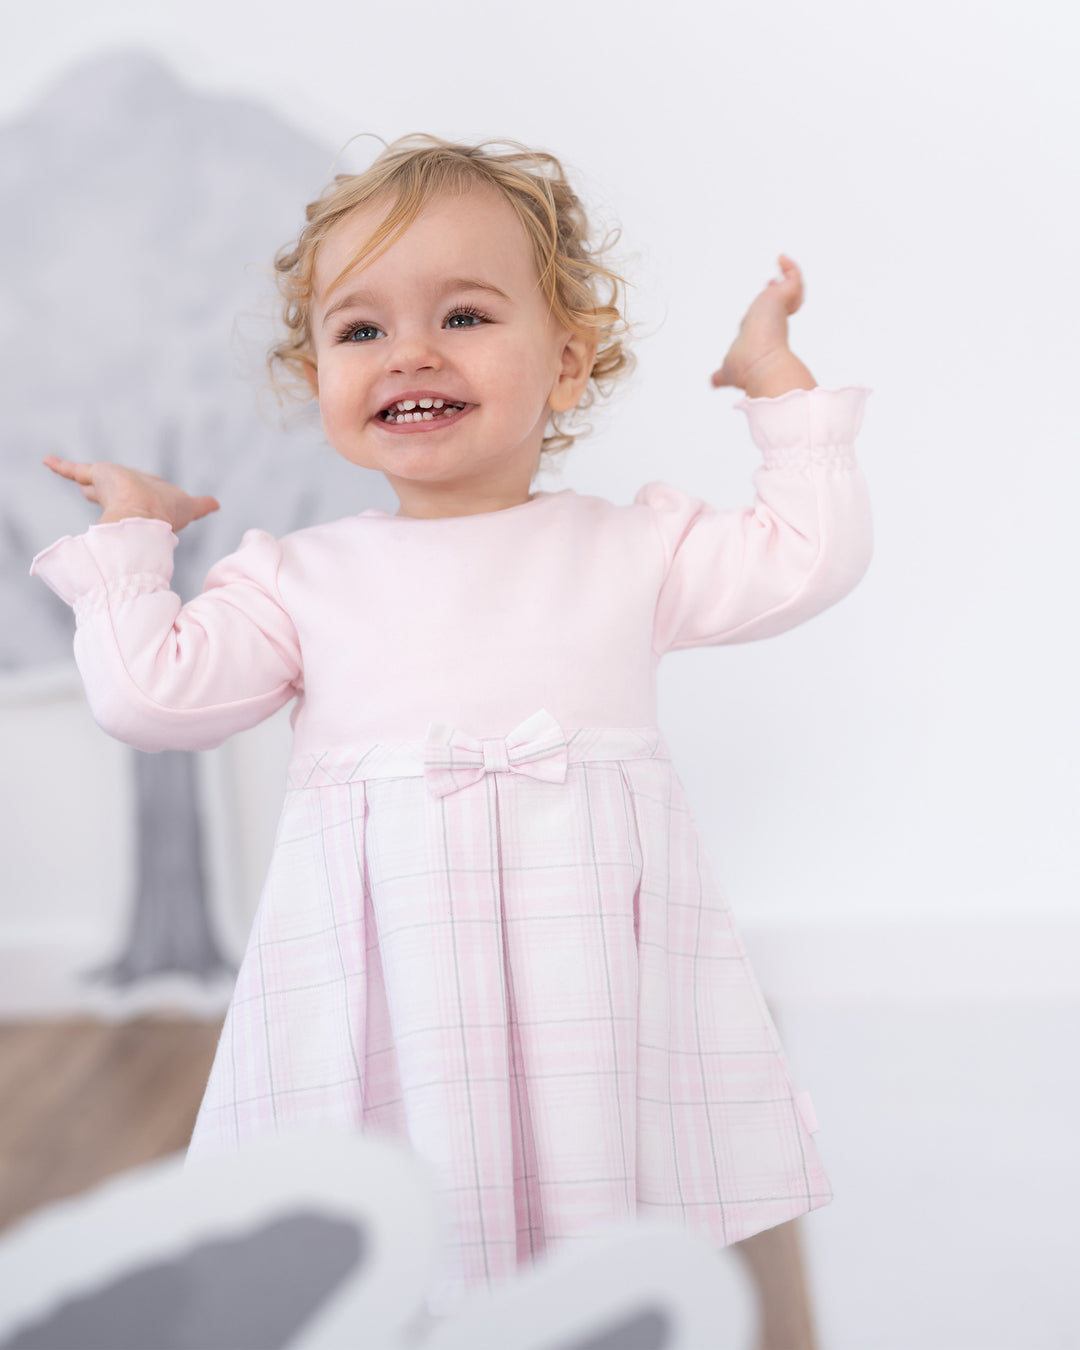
[311,374]
[577,363]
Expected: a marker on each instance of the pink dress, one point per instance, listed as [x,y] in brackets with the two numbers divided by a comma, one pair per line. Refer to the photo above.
[488,926]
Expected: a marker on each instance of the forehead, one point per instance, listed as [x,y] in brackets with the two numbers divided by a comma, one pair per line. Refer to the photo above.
[465,234]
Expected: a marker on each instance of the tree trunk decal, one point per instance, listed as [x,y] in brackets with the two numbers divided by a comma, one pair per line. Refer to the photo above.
[170,928]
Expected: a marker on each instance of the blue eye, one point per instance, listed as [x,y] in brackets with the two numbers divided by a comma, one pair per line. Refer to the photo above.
[361,332]
[473,317]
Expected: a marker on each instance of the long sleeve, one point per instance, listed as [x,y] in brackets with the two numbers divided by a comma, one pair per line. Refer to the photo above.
[160,674]
[734,576]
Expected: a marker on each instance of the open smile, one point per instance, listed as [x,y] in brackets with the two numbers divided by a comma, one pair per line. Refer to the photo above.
[421,412]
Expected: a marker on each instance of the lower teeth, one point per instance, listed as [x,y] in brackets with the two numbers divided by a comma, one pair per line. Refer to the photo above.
[423,416]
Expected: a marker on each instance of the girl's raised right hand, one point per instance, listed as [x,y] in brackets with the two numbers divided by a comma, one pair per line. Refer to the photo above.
[124,493]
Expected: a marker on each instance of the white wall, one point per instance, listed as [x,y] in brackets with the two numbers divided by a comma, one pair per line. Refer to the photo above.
[912,753]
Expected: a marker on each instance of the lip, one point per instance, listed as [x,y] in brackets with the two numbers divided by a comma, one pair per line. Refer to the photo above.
[436,424]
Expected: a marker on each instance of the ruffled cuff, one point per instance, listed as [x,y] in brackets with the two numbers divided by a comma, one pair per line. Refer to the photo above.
[807,426]
[130,556]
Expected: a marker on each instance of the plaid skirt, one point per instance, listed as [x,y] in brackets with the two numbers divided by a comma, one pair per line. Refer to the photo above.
[513,956]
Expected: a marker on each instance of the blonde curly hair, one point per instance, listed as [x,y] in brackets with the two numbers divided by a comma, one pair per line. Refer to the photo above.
[586,297]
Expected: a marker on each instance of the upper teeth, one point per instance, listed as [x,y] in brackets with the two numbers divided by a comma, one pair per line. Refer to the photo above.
[403,409]
[408,404]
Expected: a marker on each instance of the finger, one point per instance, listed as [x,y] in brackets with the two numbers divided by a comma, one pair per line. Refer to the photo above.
[202,506]
[66,468]
[793,278]
[790,270]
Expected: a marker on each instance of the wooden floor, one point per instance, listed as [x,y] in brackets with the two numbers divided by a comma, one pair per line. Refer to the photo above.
[83,1100]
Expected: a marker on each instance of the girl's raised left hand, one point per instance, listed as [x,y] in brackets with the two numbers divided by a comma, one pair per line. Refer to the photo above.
[760,361]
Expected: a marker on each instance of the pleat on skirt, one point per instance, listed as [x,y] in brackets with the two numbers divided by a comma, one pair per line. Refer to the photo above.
[536,986]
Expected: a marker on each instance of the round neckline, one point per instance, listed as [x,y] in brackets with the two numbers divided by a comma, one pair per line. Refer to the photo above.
[534,500]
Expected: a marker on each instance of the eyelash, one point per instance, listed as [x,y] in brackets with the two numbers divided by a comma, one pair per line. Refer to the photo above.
[471,310]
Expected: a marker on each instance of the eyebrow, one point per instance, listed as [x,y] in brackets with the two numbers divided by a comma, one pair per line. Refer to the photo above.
[363,297]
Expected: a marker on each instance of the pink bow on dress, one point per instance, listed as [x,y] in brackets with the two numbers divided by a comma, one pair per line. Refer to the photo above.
[453,760]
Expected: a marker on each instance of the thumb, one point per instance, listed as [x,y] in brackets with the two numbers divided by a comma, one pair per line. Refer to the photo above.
[202,506]
[721,377]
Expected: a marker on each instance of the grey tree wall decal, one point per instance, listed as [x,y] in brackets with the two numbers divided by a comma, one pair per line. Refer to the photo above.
[139,218]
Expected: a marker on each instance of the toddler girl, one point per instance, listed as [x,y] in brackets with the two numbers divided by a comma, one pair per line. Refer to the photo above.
[488,927]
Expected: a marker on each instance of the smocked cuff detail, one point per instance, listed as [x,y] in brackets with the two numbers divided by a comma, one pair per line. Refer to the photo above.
[116,556]
[127,588]
[807,426]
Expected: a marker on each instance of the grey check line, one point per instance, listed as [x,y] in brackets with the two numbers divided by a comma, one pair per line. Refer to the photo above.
[374,1054]
[367,903]
[578,1236]
[455,1081]
[669,1050]
[264,994]
[607,972]
[360,763]
[376,778]
[799,1127]
[728,1101]
[297,838]
[337,940]
[480,871]
[697,1036]
[708,1204]
[266,1036]
[371,1108]
[311,771]
[516,1070]
[558,1021]
[499,1186]
[637,862]
[517,918]
[561,914]
[671,1109]
[497,899]
[689,956]
[428,1031]
[294,1092]
[461,1021]
[683,904]
[335,927]
[458,1079]
[232,1057]
[469,1026]
[324,984]
[669,807]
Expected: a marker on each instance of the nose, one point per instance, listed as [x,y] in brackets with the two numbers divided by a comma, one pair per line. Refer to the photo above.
[412,350]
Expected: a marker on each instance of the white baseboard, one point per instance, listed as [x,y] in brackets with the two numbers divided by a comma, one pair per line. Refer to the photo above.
[918,960]
[50,979]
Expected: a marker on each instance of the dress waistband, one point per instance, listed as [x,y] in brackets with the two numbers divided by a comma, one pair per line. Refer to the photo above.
[451,759]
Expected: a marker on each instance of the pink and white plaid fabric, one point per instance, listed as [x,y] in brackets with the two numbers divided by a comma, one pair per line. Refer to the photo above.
[513,955]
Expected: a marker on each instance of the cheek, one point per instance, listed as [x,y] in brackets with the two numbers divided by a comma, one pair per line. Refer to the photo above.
[338,387]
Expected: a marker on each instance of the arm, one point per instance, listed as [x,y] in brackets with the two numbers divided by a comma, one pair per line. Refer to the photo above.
[735,576]
[739,575]
[160,674]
